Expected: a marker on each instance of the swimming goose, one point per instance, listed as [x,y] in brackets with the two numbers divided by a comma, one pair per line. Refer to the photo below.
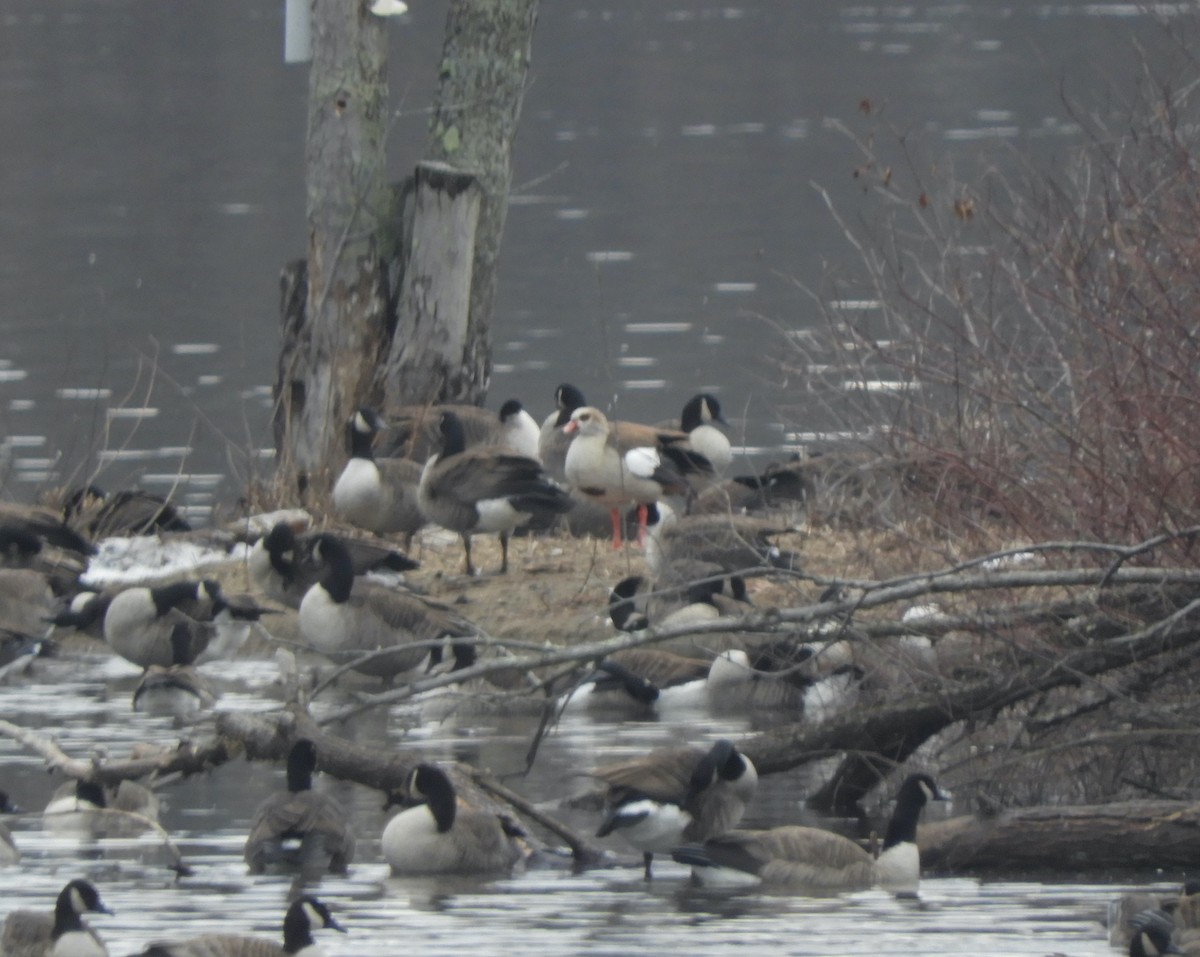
[676,794]
[734,543]
[300,827]
[303,917]
[9,853]
[282,566]
[30,933]
[379,495]
[485,489]
[1183,908]
[61,933]
[699,414]
[808,858]
[552,441]
[178,691]
[88,806]
[633,465]
[442,835]
[140,621]
[345,618]
[1156,932]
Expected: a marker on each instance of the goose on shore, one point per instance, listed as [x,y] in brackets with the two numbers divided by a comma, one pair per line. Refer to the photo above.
[623,464]
[414,431]
[443,835]
[808,858]
[674,795]
[62,933]
[140,622]
[300,827]
[732,543]
[282,566]
[485,489]
[303,917]
[346,619]
[553,442]
[699,415]
[377,494]
[126,512]
[21,548]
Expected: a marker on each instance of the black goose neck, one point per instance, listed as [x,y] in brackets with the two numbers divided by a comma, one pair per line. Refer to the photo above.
[434,785]
[297,931]
[167,597]
[279,542]
[453,439]
[692,413]
[902,827]
[301,763]
[360,435]
[338,579]
[568,399]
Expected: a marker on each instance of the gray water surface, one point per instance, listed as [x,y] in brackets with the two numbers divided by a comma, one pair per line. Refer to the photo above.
[548,911]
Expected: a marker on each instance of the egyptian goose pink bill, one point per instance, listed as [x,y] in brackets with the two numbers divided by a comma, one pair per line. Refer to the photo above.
[621,464]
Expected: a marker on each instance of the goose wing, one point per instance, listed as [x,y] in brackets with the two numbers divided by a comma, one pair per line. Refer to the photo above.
[800,856]
[662,775]
[215,945]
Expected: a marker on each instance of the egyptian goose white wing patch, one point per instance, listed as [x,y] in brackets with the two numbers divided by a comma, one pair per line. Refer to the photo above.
[642,461]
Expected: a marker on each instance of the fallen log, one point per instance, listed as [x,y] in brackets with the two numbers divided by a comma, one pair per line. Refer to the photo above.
[1124,835]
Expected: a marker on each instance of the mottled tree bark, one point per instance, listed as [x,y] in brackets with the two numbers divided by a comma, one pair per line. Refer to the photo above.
[344,324]
[482,83]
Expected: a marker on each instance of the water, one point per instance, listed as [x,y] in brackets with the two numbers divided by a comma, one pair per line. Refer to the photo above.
[549,911]
[664,220]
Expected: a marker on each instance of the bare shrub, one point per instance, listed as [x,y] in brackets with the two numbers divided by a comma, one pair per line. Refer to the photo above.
[1031,350]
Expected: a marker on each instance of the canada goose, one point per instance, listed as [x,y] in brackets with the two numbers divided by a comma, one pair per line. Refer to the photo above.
[85,613]
[379,495]
[178,691]
[87,808]
[808,858]
[518,430]
[781,487]
[676,794]
[231,626]
[552,441]
[47,525]
[22,548]
[30,933]
[19,650]
[484,489]
[282,566]
[441,835]
[141,620]
[414,431]
[124,513]
[300,826]
[699,414]
[620,467]
[734,543]
[303,917]
[1184,910]
[1156,932]
[9,853]
[345,618]
[635,604]
[26,600]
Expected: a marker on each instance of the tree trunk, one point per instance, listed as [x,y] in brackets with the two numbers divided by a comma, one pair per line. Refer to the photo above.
[484,64]
[344,323]
[433,326]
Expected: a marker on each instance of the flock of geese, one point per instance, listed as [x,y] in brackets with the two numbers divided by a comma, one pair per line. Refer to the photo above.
[474,473]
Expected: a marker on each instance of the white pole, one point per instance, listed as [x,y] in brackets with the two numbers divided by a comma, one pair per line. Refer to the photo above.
[297,31]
